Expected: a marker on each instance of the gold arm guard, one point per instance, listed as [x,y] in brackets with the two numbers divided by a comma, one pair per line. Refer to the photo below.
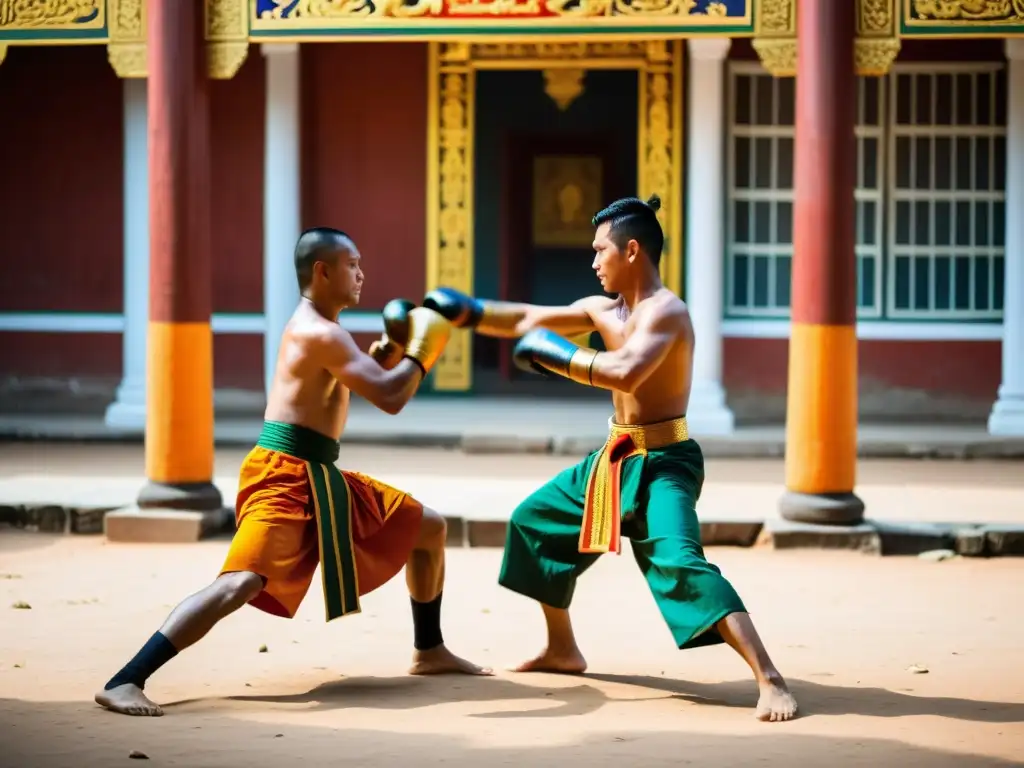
[428,334]
[581,366]
[498,316]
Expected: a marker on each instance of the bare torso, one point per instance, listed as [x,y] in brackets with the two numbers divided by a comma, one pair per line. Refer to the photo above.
[304,392]
[665,394]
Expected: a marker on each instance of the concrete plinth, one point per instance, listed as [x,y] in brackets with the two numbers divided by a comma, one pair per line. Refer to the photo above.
[190,497]
[784,534]
[164,526]
[822,508]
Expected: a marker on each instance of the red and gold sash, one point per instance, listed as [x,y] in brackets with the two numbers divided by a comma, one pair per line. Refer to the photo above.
[602,506]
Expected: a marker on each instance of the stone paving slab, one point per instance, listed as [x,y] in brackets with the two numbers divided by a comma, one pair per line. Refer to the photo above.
[902,522]
[514,425]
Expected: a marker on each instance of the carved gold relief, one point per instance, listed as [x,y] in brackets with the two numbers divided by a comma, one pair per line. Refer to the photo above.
[126,49]
[875,17]
[227,36]
[450,195]
[776,17]
[544,51]
[563,86]
[777,56]
[566,193]
[52,14]
[226,25]
[3,52]
[661,147]
[874,57]
[977,10]
[875,48]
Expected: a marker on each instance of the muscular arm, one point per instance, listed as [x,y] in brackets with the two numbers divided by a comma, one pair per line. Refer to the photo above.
[622,370]
[628,367]
[510,320]
[389,390]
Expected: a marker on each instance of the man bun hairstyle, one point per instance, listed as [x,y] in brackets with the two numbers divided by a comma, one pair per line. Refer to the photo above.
[318,244]
[634,219]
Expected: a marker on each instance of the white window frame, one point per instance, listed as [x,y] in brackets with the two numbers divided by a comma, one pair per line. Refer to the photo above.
[771,195]
[894,196]
[738,69]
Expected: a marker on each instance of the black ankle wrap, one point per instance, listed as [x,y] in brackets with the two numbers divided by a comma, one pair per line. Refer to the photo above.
[426,624]
[154,654]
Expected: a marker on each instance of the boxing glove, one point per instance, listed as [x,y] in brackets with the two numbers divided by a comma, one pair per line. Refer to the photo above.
[543,351]
[388,350]
[460,310]
[429,332]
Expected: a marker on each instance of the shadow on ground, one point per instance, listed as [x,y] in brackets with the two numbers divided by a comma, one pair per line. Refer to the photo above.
[819,699]
[64,734]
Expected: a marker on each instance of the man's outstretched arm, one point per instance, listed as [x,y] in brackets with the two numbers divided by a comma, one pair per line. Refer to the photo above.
[622,370]
[508,319]
[388,390]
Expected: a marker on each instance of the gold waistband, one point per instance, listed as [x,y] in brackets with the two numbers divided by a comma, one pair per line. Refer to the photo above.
[651,436]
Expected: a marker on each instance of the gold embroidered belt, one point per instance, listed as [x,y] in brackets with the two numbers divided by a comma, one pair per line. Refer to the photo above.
[602,506]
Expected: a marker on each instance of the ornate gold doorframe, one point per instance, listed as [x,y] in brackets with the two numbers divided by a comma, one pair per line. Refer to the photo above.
[450,154]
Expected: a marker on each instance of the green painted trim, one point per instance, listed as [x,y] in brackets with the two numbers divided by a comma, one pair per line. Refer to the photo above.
[27,36]
[976,30]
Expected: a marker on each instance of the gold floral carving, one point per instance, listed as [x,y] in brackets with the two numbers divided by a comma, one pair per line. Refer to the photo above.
[978,10]
[875,17]
[51,14]
[777,56]
[875,48]
[544,51]
[661,147]
[563,86]
[126,48]
[874,56]
[775,42]
[451,252]
[227,37]
[776,18]
[226,25]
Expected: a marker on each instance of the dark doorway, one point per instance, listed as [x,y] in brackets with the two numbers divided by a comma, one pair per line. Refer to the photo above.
[539,172]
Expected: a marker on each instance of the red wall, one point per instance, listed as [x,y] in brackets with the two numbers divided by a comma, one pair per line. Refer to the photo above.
[365,157]
[364,148]
[967,369]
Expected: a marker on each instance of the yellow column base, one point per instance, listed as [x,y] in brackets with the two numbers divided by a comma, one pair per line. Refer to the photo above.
[179,404]
[821,413]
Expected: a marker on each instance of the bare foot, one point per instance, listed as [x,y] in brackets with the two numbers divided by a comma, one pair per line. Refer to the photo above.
[441,661]
[128,699]
[570,662]
[776,703]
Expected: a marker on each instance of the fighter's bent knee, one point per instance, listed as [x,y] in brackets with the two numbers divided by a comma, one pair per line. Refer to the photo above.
[433,528]
[239,587]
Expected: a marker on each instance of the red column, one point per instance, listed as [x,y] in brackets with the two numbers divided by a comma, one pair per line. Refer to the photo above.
[821,420]
[179,423]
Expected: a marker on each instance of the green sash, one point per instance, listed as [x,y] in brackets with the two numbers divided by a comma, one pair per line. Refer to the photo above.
[332,505]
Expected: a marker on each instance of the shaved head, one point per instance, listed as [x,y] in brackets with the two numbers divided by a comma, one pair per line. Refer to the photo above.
[319,244]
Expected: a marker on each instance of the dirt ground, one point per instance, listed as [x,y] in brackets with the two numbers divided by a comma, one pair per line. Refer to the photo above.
[843,628]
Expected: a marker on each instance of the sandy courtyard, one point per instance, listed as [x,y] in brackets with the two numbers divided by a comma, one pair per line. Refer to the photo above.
[843,628]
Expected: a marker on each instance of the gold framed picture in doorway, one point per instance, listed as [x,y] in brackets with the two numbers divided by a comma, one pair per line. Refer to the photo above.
[566,195]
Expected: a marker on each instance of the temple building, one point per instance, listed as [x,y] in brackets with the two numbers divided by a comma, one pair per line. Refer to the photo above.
[468,143]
